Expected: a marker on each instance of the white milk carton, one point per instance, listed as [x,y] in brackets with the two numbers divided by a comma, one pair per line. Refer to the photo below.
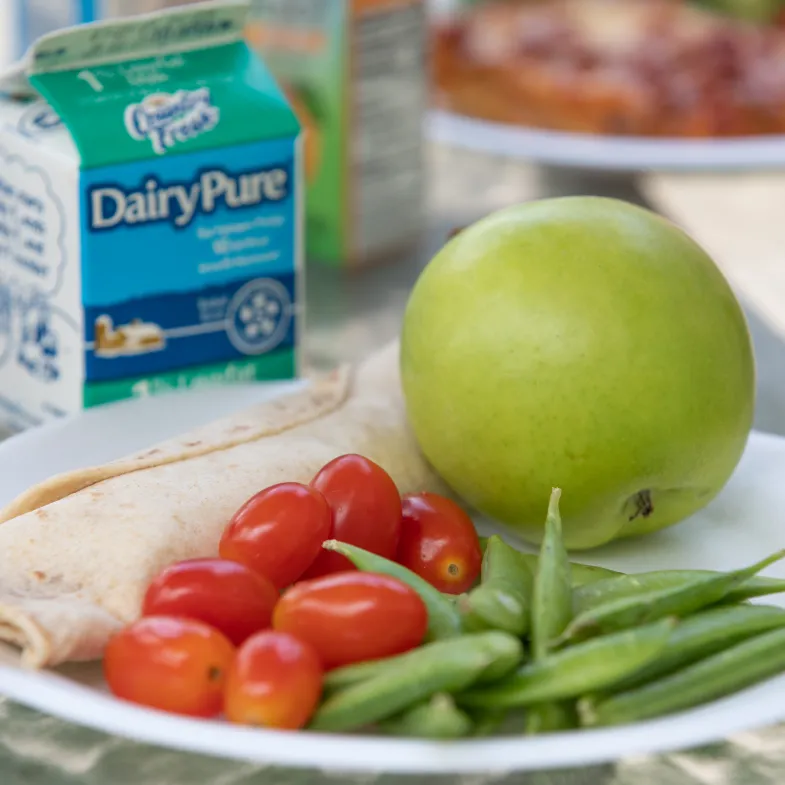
[150,215]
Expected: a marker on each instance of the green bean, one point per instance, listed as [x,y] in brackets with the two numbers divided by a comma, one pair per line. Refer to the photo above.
[551,611]
[582,574]
[721,674]
[707,633]
[501,601]
[437,718]
[444,620]
[347,675]
[443,666]
[506,661]
[673,601]
[578,670]
[600,592]
[552,592]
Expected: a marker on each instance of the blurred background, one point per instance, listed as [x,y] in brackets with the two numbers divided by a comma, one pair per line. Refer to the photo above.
[422,116]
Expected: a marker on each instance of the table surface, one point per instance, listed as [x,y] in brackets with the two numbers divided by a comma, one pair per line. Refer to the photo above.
[349,315]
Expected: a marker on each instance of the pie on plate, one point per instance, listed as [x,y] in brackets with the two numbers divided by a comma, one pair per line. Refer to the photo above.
[637,68]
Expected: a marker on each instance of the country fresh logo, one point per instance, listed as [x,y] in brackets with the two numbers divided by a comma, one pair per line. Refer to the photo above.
[168,118]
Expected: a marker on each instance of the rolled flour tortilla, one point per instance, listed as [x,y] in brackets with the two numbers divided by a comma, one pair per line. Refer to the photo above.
[77,551]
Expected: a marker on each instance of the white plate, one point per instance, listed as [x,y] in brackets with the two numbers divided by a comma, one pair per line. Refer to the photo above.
[742,525]
[607,153]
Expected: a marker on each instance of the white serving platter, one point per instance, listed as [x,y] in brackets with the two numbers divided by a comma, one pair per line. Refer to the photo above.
[606,153]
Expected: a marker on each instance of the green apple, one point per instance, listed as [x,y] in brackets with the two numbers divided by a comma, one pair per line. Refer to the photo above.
[581,343]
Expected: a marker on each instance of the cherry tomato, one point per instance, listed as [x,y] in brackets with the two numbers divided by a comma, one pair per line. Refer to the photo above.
[353,616]
[439,543]
[279,532]
[172,664]
[275,682]
[366,509]
[225,594]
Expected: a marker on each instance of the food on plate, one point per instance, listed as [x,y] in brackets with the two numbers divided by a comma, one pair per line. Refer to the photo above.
[226,595]
[611,358]
[657,68]
[279,531]
[439,542]
[380,647]
[358,491]
[353,616]
[275,682]
[350,650]
[168,663]
[77,558]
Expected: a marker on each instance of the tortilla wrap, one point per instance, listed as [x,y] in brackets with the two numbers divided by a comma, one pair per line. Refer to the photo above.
[78,551]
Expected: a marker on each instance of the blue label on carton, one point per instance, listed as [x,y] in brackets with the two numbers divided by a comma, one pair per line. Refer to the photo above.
[190,261]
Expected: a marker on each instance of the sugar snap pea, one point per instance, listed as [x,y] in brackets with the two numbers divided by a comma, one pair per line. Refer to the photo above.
[600,592]
[444,620]
[721,674]
[502,599]
[584,668]
[582,574]
[551,612]
[508,657]
[678,600]
[442,666]
[437,718]
[552,592]
[704,634]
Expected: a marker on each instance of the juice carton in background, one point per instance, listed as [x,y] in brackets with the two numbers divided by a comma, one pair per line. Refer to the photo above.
[354,72]
[149,215]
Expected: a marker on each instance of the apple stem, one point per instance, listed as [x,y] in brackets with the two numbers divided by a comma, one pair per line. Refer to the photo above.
[644,506]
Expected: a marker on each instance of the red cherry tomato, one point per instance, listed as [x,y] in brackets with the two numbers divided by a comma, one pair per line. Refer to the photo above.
[279,532]
[366,509]
[275,682]
[353,616]
[225,594]
[439,543]
[172,664]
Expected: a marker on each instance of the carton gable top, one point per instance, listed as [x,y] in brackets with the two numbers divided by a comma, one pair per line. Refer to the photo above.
[158,84]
